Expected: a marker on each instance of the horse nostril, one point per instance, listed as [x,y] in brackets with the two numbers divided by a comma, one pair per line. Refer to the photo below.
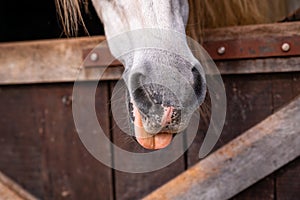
[139,95]
[199,84]
[176,116]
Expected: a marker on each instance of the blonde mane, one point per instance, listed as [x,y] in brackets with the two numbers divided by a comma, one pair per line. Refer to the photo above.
[203,14]
[221,13]
[69,12]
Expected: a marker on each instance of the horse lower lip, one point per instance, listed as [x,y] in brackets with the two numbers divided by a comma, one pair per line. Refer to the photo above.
[158,141]
[146,140]
[149,141]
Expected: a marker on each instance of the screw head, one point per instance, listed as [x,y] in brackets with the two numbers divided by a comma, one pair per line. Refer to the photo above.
[285,47]
[94,57]
[221,50]
[67,100]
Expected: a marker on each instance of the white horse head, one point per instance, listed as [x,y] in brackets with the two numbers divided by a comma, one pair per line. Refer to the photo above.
[165,82]
[165,87]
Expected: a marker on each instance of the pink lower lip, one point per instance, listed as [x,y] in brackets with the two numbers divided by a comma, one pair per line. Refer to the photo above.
[148,141]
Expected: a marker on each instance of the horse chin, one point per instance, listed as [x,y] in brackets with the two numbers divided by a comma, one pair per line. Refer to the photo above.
[146,140]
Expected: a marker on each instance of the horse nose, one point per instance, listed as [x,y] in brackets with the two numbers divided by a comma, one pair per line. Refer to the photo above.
[183,89]
[147,94]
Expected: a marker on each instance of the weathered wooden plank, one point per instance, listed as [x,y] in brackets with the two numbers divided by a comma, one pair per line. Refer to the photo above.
[59,60]
[253,31]
[130,186]
[282,86]
[269,145]
[70,171]
[282,90]
[287,179]
[296,84]
[281,93]
[20,140]
[230,67]
[249,100]
[11,190]
[256,66]
[43,61]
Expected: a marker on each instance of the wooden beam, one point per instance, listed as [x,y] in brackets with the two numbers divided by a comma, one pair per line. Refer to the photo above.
[11,190]
[252,156]
[252,31]
[43,61]
[255,66]
[59,60]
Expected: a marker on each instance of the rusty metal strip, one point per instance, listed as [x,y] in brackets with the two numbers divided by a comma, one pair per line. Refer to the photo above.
[250,48]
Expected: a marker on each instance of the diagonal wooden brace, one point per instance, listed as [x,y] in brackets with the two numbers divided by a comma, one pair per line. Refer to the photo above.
[252,156]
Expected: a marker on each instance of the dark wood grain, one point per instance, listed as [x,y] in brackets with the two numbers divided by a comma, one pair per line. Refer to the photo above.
[42,152]
[287,178]
[260,65]
[287,181]
[281,93]
[296,84]
[282,90]
[70,172]
[252,31]
[21,124]
[249,100]
[263,189]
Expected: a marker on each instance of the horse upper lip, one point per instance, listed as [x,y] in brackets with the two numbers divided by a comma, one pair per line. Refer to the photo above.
[167,116]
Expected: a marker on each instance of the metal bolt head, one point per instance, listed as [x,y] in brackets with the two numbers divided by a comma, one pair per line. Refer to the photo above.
[94,56]
[285,47]
[221,50]
[67,100]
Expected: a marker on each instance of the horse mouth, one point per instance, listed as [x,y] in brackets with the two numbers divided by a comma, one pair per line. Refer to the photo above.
[151,141]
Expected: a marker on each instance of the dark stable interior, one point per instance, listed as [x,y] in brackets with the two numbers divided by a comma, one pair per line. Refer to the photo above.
[36,19]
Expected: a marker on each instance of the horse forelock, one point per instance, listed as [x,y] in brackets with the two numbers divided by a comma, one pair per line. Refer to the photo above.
[69,13]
